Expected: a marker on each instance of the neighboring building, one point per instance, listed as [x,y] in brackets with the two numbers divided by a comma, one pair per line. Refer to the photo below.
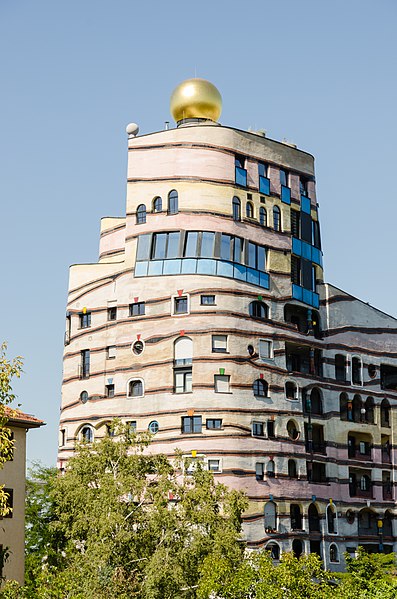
[13,477]
[206,321]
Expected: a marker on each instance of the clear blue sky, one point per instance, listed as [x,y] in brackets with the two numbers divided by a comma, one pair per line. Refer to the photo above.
[321,74]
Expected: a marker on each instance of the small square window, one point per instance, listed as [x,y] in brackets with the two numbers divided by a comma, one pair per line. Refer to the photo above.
[181,305]
[214,423]
[219,344]
[222,383]
[191,424]
[85,320]
[132,425]
[259,470]
[137,309]
[265,349]
[112,313]
[257,429]
[109,390]
[111,352]
[207,300]
[214,465]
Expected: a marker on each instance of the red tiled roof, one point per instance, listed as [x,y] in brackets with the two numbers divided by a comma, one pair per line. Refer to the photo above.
[18,416]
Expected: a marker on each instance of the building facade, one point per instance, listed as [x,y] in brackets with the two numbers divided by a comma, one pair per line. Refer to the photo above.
[206,320]
[13,477]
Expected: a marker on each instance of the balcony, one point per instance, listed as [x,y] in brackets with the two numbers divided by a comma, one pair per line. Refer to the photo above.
[241,176]
[360,484]
[359,447]
[304,359]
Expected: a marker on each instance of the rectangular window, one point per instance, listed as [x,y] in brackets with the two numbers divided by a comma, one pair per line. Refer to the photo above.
[306,227]
[283,177]
[137,309]
[306,274]
[251,255]
[257,429]
[9,501]
[303,182]
[262,169]
[207,300]
[85,363]
[191,244]
[181,305]
[214,465]
[214,423]
[112,313]
[132,426]
[295,270]
[111,352]
[191,424]
[173,245]
[316,235]
[143,251]
[270,429]
[238,250]
[265,349]
[259,470]
[226,246]
[261,260]
[207,244]
[109,390]
[295,223]
[63,437]
[85,320]
[159,246]
[183,380]
[219,344]
[239,161]
[221,383]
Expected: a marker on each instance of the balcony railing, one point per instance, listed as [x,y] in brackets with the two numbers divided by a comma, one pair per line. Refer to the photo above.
[315,447]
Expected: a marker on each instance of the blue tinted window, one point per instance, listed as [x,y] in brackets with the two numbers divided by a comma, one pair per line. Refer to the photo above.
[238,249]
[143,251]
[159,245]
[251,258]
[173,245]
[191,244]
[276,218]
[141,214]
[173,202]
[261,263]
[263,216]
[283,177]
[236,209]
[157,204]
[262,169]
[226,241]
[207,244]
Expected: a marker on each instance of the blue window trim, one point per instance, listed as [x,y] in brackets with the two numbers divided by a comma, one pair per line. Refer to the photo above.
[264,185]
[241,176]
[285,194]
[305,204]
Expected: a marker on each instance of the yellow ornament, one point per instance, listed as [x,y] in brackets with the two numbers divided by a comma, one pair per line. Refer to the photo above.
[196,99]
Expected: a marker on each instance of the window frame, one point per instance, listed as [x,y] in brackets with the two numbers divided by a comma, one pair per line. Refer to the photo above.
[211,303]
[85,320]
[222,378]
[192,422]
[130,385]
[175,300]
[256,426]
[173,202]
[213,428]
[222,349]
[140,311]
[140,214]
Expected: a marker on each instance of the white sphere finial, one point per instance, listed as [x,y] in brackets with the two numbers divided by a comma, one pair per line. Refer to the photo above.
[132,130]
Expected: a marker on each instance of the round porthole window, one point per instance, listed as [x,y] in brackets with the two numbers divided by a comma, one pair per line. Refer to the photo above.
[251,350]
[292,430]
[84,397]
[138,347]
[372,371]
[153,427]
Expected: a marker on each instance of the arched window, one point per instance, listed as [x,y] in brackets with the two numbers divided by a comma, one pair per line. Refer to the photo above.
[357,406]
[173,202]
[263,216]
[333,553]
[236,208]
[183,351]
[276,218]
[270,469]
[316,402]
[291,390]
[292,430]
[274,549]
[385,413]
[296,516]
[260,388]
[297,548]
[141,214]
[357,371]
[135,388]
[314,518]
[258,310]
[270,516]
[249,210]
[344,406]
[331,520]
[87,434]
[157,204]
[292,470]
[369,410]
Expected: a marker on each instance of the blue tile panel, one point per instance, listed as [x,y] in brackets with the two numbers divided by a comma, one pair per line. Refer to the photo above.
[304,249]
[305,295]
[203,266]
[241,176]
[305,204]
[285,194]
[264,186]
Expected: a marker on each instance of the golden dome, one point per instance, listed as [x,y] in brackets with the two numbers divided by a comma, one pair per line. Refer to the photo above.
[196,99]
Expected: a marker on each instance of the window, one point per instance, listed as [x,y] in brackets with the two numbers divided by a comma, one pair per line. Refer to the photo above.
[296,517]
[173,202]
[84,397]
[239,161]
[181,305]
[207,300]
[112,313]
[274,550]
[258,310]
[214,465]
[153,427]
[221,383]
[111,352]
[283,177]
[207,244]
[135,388]
[236,208]
[191,424]
[292,469]
[270,469]
[249,210]
[110,430]
[265,349]
[295,223]
[141,214]
[62,437]
[340,367]
[138,347]
[137,309]
[260,388]
[258,429]
[291,390]
[259,471]
[385,413]
[303,186]
[219,344]
[276,218]
[109,390]
[183,355]
[333,553]
[372,371]
[357,378]
[131,426]
[85,320]
[331,520]
[183,380]
[87,434]
[85,363]
[262,169]
[292,430]
[9,501]
[270,429]
[157,204]
[365,483]
[263,216]
[270,517]
[295,270]
[214,423]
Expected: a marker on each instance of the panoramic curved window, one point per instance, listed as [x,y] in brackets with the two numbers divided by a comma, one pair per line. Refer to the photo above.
[135,388]
[263,216]
[87,434]
[236,204]
[276,218]
[260,388]
[157,204]
[173,202]
[249,210]
[258,310]
[141,214]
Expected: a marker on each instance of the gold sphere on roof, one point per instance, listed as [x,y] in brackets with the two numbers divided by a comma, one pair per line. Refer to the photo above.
[196,99]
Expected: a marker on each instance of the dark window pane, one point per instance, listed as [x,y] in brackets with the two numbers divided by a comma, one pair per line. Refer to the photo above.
[157,205]
[173,245]
[207,244]
[236,209]
[283,177]
[306,227]
[159,245]
[316,235]
[251,258]
[295,223]
[263,217]
[261,264]
[173,202]
[262,169]
[141,214]
[307,281]
[276,218]
[143,252]
[296,270]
